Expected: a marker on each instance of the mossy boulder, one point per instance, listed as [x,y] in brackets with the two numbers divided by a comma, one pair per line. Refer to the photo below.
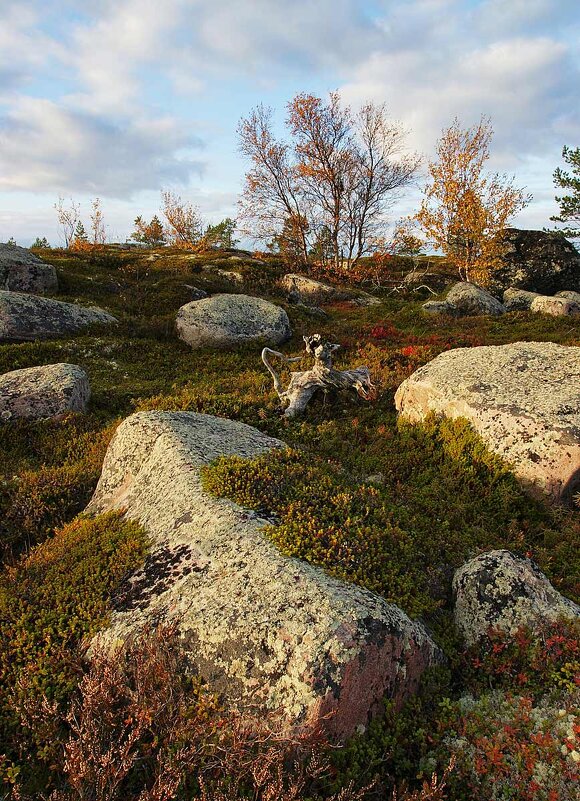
[499,590]
[268,631]
[469,299]
[223,321]
[522,399]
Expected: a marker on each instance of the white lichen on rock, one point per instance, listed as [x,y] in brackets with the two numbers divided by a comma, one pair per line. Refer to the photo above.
[500,590]
[48,391]
[265,630]
[522,399]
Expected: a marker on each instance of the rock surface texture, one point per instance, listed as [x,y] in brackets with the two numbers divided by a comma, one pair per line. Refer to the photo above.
[27,317]
[575,296]
[522,399]
[500,590]
[302,289]
[439,307]
[43,392]
[470,299]
[225,320]
[557,307]
[22,271]
[518,299]
[537,261]
[264,629]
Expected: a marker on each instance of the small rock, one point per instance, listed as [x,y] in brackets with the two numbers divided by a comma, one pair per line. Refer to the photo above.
[439,307]
[569,295]
[196,292]
[556,306]
[470,299]
[223,321]
[500,590]
[49,391]
[518,299]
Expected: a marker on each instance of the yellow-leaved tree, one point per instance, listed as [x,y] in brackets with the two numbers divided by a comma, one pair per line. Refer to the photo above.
[464,210]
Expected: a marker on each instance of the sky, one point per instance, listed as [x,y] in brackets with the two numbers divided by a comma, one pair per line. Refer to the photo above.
[118,99]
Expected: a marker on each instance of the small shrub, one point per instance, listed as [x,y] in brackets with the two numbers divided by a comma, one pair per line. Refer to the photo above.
[51,600]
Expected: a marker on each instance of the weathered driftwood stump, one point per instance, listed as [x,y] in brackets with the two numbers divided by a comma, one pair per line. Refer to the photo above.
[323,376]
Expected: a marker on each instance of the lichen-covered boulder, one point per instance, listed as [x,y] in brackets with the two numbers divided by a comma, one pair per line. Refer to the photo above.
[569,295]
[556,306]
[265,630]
[537,261]
[522,399]
[22,271]
[470,299]
[38,393]
[500,590]
[301,288]
[27,317]
[518,299]
[224,321]
[439,307]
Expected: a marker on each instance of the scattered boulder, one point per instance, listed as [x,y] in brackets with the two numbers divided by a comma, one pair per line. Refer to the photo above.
[522,399]
[504,591]
[38,393]
[556,306]
[27,317]
[302,289]
[537,261]
[22,271]
[265,630]
[518,299]
[225,320]
[470,299]
[439,307]
[575,296]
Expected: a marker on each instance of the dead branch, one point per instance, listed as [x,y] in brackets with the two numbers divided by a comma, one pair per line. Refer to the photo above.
[322,375]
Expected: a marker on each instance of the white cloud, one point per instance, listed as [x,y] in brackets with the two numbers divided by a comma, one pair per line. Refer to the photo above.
[46,146]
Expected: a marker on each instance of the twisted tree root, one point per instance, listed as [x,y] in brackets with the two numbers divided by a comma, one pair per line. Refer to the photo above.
[323,376]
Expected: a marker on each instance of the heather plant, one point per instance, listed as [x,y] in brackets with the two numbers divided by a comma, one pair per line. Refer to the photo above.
[50,600]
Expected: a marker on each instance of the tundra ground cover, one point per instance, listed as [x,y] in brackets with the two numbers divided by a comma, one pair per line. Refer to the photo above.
[439,496]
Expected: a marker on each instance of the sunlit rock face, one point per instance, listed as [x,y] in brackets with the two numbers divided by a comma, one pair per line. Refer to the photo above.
[270,633]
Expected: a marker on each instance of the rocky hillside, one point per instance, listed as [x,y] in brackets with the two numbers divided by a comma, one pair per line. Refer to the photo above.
[200,594]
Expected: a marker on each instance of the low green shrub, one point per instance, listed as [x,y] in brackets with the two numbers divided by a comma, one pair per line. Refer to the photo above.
[50,601]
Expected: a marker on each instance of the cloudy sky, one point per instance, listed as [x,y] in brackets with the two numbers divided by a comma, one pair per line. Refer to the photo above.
[120,98]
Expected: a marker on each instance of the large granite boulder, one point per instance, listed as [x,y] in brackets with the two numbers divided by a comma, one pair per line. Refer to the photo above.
[27,317]
[38,393]
[537,261]
[223,321]
[518,299]
[500,590]
[265,630]
[522,399]
[556,306]
[22,271]
[469,299]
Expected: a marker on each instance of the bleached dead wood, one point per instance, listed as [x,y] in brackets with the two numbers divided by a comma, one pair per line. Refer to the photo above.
[323,376]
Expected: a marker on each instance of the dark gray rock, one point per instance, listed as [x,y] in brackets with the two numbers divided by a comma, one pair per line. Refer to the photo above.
[22,271]
[518,299]
[27,317]
[538,262]
[439,307]
[500,590]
